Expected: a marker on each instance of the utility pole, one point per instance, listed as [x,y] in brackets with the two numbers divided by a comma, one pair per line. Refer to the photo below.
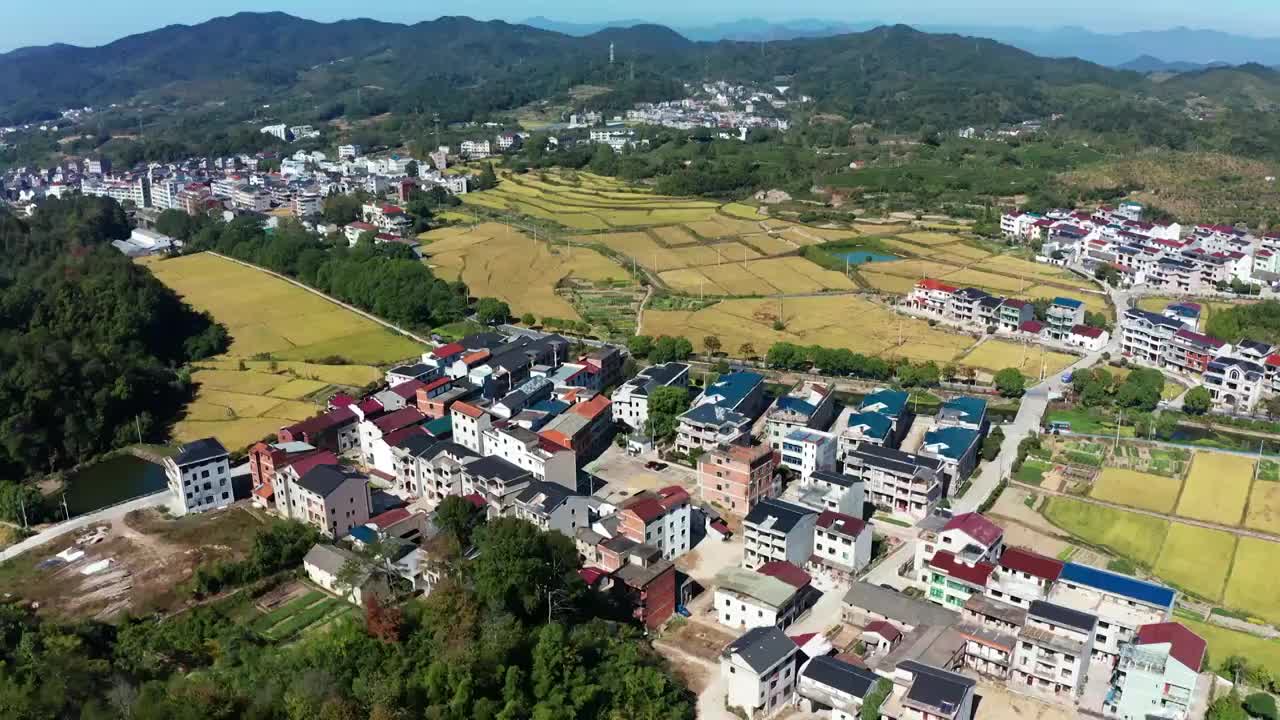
[138,426]
[64,506]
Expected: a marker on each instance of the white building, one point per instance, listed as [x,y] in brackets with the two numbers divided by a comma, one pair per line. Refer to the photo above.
[841,549]
[809,451]
[200,476]
[759,671]
[631,399]
[777,530]
[276,131]
[1054,650]
[773,596]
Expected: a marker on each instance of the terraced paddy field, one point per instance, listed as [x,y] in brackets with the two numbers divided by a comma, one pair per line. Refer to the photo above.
[808,321]
[1130,535]
[1263,511]
[1197,559]
[1137,489]
[1217,488]
[498,261]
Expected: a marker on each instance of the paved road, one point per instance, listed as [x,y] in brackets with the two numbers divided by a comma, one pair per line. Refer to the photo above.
[886,573]
[110,514]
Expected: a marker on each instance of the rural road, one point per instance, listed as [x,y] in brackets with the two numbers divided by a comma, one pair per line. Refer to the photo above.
[110,514]
[1242,532]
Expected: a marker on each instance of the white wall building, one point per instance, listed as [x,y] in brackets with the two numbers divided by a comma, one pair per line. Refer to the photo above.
[200,477]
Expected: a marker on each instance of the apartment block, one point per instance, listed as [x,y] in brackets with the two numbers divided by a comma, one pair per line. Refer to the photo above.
[737,477]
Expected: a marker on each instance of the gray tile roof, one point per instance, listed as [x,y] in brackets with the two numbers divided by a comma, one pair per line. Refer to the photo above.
[763,647]
[198,451]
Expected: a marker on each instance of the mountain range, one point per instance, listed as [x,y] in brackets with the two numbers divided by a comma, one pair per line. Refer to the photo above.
[894,76]
[1179,49]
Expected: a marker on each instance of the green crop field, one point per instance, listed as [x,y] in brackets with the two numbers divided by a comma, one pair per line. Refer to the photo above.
[1217,488]
[1129,534]
[1140,490]
[1264,507]
[1196,559]
[1224,643]
[1252,586]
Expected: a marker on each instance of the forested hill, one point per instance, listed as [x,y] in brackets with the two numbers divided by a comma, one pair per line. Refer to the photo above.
[89,341]
[459,67]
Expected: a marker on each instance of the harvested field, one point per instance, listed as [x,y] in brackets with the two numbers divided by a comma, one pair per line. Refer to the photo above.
[996,355]
[1020,267]
[692,281]
[744,212]
[768,245]
[1217,488]
[928,238]
[298,389]
[1252,586]
[888,283]
[1196,559]
[510,266]
[1128,534]
[675,235]
[914,269]
[720,227]
[1137,489]
[700,255]
[811,320]
[1264,507]
[985,280]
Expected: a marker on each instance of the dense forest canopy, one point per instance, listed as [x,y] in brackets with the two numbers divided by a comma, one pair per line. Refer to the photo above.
[1259,321]
[90,342]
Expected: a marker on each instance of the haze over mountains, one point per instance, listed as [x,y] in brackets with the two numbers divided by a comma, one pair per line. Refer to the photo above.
[1176,50]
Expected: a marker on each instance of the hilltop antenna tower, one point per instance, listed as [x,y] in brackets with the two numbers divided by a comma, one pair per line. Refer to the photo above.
[610,53]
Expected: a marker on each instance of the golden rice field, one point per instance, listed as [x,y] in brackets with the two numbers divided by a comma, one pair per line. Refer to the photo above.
[1196,559]
[497,261]
[1252,586]
[265,314]
[996,355]
[1137,489]
[810,321]
[773,276]
[1263,512]
[1217,488]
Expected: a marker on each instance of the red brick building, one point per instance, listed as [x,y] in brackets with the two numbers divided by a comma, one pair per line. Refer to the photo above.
[736,477]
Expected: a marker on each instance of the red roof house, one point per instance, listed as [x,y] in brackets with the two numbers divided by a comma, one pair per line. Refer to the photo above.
[1184,646]
[1032,563]
[946,563]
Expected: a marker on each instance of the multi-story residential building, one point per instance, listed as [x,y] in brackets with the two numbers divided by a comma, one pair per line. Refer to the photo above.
[969,537]
[470,424]
[1013,313]
[963,412]
[164,194]
[265,458]
[376,453]
[1022,576]
[199,477]
[832,491]
[808,451]
[882,418]
[709,425]
[1121,603]
[337,430]
[662,519]
[932,296]
[964,305]
[809,406]
[740,391]
[990,630]
[956,448]
[773,596]
[1063,314]
[550,506]
[1157,674]
[496,480]
[759,671]
[331,498]
[777,530]
[639,577]
[828,682]
[585,428]
[307,204]
[1234,384]
[1187,313]
[476,148]
[953,581]
[254,199]
[900,483]
[544,459]
[349,152]
[841,549]
[1145,335]
[925,692]
[1189,352]
[631,399]
[736,477]
[1054,650]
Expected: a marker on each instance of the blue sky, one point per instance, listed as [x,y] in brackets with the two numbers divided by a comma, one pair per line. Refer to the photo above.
[94,22]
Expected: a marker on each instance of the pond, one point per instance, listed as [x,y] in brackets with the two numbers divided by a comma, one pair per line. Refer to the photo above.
[861,257]
[112,481]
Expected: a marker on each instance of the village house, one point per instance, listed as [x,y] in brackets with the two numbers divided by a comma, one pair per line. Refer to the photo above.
[1054,650]
[326,566]
[830,683]
[737,477]
[809,406]
[552,507]
[774,595]
[1157,674]
[899,483]
[841,549]
[199,477]
[661,518]
[759,671]
[631,399]
[777,530]
[331,498]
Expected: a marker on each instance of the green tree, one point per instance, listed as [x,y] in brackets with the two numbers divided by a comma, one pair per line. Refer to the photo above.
[668,400]
[1010,382]
[458,517]
[874,699]
[712,344]
[491,311]
[991,444]
[640,345]
[524,571]
[1261,705]
[1197,401]
[528,319]
[670,349]
[487,179]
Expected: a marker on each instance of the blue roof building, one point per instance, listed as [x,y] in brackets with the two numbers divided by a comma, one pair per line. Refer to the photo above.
[740,391]
[951,443]
[1125,587]
[872,427]
[970,412]
[887,402]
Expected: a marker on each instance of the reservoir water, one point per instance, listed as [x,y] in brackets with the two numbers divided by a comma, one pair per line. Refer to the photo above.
[112,481]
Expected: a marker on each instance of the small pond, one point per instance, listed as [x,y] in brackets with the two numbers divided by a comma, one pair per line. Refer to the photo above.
[112,481]
[861,257]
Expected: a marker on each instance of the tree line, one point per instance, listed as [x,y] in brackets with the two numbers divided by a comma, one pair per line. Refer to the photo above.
[90,342]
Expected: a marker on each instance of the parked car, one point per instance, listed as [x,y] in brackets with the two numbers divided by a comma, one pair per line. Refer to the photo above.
[655,465]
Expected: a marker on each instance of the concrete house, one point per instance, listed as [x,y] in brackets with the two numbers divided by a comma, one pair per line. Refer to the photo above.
[924,692]
[809,406]
[777,530]
[552,507]
[1121,603]
[1054,650]
[902,484]
[1023,576]
[827,683]
[324,565]
[199,477]
[759,671]
[331,498]
[956,448]
[841,549]
[773,596]
[737,477]
[1157,674]
[631,399]
[661,518]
